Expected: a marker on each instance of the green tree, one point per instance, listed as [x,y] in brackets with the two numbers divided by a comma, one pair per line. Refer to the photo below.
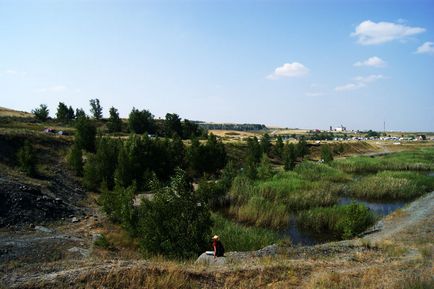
[27,159]
[190,129]
[141,121]
[71,114]
[79,113]
[301,149]
[85,134]
[278,148]
[91,177]
[289,156]
[176,223]
[266,143]
[41,113]
[62,112]
[264,170]
[95,108]
[326,154]
[114,123]
[75,160]
[172,125]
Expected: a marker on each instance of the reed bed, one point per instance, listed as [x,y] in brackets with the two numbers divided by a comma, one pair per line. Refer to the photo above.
[238,237]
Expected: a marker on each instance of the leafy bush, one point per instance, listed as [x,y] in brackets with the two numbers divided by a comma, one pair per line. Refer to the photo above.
[75,160]
[26,159]
[175,223]
[85,134]
[341,221]
[41,113]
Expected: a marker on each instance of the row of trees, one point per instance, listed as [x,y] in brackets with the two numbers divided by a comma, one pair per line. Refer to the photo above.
[139,121]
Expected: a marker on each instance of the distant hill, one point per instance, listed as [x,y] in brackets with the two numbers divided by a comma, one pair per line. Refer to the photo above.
[232,126]
[11,112]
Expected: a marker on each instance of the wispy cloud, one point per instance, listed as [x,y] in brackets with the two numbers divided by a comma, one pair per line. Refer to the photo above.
[52,88]
[371,33]
[371,62]
[12,72]
[369,78]
[359,82]
[294,69]
[426,48]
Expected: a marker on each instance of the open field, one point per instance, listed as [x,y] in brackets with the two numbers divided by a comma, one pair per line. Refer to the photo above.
[6,112]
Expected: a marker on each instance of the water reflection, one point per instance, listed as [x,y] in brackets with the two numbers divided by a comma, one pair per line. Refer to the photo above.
[380,208]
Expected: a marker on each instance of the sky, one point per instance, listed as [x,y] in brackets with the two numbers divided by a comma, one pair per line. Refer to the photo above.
[296,64]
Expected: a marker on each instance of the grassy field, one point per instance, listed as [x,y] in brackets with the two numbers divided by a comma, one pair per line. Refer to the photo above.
[269,203]
[341,222]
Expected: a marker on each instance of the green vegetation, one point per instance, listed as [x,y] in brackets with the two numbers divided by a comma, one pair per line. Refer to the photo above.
[41,113]
[392,185]
[64,114]
[141,121]
[326,154]
[237,237]
[176,223]
[114,123]
[95,108]
[269,202]
[27,159]
[75,160]
[417,160]
[342,222]
[85,134]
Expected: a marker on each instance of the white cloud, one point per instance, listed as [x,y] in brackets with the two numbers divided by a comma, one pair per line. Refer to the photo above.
[359,82]
[294,69]
[315,93]
[371,33]
[349,86]
[426,48]
[53,88]
[369,78]
[372,62]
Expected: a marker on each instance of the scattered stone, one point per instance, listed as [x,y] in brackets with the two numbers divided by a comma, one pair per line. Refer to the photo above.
[96,237]
[43,229]
[81,251]
[75,220]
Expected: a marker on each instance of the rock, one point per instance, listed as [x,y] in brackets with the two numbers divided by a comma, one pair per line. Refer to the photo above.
[210,260]
[43,229]
[81,251]
[75,220]
[270,250]
[96,237]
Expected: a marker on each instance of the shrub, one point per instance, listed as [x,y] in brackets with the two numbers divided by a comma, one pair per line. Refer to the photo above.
[85,134]
[27,159]
[75,160]
[175,223]
[41,113]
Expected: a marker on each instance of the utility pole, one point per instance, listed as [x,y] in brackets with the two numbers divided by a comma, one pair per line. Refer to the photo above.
[384,127]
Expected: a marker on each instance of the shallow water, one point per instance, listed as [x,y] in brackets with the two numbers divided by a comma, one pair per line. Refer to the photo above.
[299,237]
[380,208]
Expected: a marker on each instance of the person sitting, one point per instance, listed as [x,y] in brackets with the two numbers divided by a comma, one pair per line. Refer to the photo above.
[219,250]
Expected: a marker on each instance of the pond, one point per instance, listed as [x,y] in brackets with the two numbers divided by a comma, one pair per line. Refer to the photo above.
[300,237]
[380,208]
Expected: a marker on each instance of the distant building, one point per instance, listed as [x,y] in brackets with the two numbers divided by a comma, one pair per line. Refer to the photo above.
[339,128]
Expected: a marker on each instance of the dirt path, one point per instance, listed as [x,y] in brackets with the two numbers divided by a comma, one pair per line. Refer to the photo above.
[420,210]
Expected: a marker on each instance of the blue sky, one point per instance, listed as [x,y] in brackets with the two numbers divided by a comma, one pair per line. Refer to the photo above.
[306,64]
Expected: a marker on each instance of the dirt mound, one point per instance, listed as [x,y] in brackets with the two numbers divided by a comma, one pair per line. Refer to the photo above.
[23,204]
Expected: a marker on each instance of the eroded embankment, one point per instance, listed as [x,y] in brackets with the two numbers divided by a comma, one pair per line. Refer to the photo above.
[400,251]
